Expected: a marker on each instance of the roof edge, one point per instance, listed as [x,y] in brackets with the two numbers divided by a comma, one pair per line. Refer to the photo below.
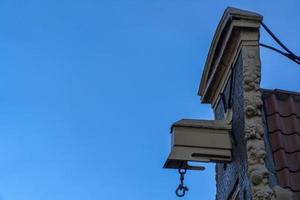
[222,33]
[280,91]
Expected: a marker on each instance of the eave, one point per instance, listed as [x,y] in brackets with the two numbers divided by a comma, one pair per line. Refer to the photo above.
[224,50]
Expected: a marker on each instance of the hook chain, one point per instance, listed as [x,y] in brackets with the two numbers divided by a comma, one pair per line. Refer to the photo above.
[181,189]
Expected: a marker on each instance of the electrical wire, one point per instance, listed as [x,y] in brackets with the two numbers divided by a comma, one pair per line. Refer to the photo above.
[281,52]
[289,54]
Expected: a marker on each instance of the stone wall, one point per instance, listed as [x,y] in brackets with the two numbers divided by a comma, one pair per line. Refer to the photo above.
[254,130]
[247,172]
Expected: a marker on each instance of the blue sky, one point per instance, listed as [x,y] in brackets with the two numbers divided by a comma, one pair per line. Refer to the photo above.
[88,90]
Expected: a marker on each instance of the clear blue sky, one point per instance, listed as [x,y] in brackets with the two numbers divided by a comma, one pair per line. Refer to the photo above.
[88,90]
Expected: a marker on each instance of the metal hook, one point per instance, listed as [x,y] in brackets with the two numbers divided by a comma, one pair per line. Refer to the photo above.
[181,189]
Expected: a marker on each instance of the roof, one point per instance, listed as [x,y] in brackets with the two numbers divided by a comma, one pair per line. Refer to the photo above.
[232,19]
[282,109]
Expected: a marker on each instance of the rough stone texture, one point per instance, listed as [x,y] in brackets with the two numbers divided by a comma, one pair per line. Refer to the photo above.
[254,130]
[248,167]
[235,172]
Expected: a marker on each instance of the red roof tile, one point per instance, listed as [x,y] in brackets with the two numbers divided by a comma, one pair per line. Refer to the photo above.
[286,125]
[282,109]
[288,161]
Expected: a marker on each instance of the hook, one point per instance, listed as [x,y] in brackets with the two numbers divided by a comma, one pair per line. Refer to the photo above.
[181,189]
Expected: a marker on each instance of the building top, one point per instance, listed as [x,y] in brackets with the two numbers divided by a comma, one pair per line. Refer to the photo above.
[224,49]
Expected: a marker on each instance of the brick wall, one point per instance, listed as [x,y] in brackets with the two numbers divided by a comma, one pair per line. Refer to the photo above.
[234,175]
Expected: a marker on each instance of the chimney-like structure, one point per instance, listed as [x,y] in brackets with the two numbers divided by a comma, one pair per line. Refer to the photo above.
[254,144]
[231,84]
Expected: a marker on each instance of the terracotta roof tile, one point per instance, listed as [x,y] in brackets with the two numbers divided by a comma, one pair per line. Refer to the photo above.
[282,109]
[287,125]
[281,104]
[289,180]
[288,161]
[289,143]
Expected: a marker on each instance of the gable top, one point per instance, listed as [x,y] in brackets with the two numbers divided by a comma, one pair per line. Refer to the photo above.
[223,31]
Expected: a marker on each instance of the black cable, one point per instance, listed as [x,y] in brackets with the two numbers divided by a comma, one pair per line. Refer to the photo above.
[289,54]
[276,39]
[281,52]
